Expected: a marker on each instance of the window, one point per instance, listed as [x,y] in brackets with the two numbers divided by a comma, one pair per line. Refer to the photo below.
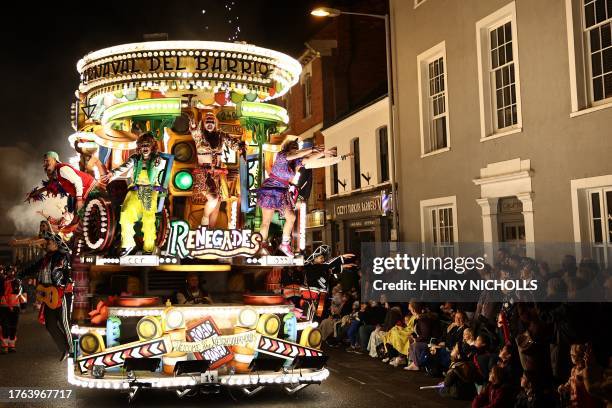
[502,76]
[334,179]
[307,95]
[592,217]
[498,73]
[383,154]
[433,101]
[439,225]
[597,27]
[600,216]
[442,224]
[438,221]
[356,164]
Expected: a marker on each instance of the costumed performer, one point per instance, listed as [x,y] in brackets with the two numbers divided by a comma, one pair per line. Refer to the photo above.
[277,192]
[54,271]
[64,181]
[140,202]
[210,178]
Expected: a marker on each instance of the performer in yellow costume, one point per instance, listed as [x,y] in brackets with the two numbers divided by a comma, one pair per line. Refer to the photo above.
[140,203]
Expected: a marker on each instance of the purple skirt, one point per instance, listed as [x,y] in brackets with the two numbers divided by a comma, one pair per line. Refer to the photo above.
[272,195]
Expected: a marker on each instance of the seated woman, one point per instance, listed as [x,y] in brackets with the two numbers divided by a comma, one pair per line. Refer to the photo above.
[440,353]
[194,292]
[340,306]
[398,338]
[376,345]
[426,329]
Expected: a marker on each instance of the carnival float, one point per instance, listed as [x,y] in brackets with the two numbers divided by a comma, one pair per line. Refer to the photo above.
[179,138]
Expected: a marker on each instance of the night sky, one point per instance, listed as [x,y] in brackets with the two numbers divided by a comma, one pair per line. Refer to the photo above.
[43,42]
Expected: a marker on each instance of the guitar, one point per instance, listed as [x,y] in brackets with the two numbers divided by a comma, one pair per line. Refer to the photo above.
[49,295]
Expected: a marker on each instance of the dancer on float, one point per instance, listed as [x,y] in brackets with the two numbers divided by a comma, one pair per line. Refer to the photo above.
[140,203]
[64,181]
[277,192]
[210,178]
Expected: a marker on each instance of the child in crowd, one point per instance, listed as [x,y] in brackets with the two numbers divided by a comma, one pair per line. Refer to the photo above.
[459,379]
[497,394]
[574,391]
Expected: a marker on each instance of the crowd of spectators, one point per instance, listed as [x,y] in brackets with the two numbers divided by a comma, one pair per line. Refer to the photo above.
[515,353]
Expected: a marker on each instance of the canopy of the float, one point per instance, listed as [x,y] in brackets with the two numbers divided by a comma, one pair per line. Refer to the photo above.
[214,72]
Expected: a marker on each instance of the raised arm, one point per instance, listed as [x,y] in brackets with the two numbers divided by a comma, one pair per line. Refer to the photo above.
[125,167]
[315,163]
[303,153]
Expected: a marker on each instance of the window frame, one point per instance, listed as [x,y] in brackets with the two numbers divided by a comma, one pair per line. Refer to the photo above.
[488,111]
[603,206]
[427,206]
[307,96]
[581,92]
[425,115]
[356,162]
[381,168]
[334,177]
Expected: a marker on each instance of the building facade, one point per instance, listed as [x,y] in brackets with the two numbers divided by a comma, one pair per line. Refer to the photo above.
[343,71]
[503,121]
[358,188]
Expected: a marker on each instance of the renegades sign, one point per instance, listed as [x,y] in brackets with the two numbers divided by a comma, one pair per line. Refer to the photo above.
[184,242]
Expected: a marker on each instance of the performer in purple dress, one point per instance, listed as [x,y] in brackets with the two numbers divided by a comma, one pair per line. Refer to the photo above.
[277,192]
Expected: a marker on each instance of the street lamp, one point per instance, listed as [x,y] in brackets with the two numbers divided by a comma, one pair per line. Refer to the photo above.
[332,12]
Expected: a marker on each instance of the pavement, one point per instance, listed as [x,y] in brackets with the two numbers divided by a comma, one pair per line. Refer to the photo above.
[356,381]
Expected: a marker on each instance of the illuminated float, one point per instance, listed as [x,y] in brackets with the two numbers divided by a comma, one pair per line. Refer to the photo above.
[214,139]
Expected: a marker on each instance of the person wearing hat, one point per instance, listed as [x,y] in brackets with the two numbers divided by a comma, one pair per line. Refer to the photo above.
[54,270]
[63,180]
[140,203]
[278,193]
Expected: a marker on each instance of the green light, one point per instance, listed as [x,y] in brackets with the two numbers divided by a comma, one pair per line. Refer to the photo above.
[183,180]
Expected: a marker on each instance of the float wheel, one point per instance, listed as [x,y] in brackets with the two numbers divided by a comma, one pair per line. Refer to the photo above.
[99,224]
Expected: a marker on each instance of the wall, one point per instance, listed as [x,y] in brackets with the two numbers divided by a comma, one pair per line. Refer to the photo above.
[559,148]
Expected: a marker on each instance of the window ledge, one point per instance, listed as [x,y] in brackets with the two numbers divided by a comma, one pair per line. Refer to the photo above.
[443,150]
[590,110]
[501,134]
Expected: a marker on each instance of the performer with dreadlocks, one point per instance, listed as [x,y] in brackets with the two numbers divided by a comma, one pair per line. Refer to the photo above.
[140,203]
[53,271]
[210,178]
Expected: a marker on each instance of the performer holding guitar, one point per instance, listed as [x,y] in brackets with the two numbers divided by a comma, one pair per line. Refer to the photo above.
[54,289]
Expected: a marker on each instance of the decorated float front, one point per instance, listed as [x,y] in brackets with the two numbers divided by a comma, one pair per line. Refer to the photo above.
[180,139]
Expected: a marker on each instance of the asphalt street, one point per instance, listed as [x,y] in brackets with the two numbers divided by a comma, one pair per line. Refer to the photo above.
[355,381]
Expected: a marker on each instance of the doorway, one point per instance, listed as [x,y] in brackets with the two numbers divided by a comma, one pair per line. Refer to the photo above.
[359,235]
[511,225]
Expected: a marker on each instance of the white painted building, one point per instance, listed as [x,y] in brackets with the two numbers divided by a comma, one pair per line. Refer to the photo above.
[356,186]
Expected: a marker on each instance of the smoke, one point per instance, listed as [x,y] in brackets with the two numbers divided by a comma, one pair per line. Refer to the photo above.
[20,171]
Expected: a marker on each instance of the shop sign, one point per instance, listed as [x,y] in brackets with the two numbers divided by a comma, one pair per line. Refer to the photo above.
[184,242]
[358,207]
[315,219]
[364,223]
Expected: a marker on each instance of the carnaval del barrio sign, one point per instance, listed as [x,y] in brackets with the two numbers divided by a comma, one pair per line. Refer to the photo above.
[194,64]
[184,242]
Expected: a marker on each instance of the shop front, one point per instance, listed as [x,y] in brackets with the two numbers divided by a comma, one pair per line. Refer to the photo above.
[356,219]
